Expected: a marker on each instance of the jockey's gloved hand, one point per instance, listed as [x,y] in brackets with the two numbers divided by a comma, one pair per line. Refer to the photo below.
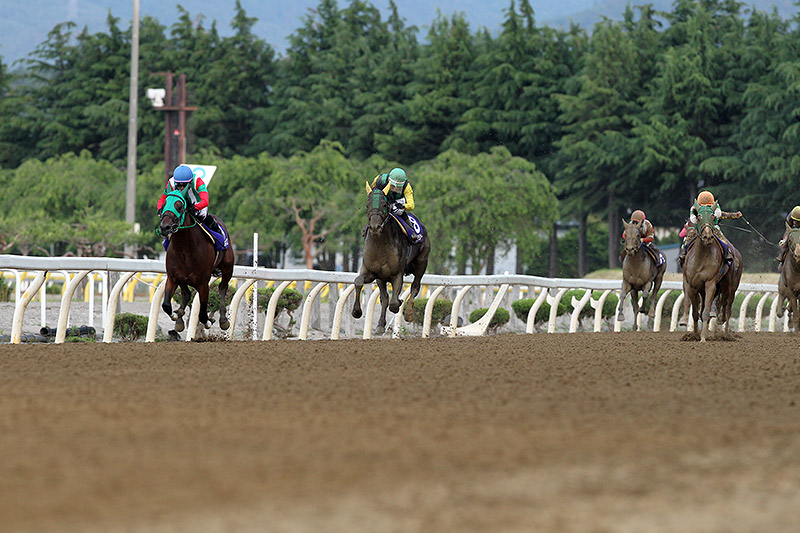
[397,209]
[158,211]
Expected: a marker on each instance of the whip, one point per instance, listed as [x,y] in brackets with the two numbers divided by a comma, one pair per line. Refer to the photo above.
[758,232]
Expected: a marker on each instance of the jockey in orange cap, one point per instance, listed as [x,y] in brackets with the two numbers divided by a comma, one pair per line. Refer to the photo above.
[705,198]
[792,222]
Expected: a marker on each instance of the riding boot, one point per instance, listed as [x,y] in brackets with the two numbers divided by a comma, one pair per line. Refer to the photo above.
[682,255]
[210,223]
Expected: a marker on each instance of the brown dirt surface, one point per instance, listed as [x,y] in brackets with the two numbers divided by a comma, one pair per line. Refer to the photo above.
[565,432]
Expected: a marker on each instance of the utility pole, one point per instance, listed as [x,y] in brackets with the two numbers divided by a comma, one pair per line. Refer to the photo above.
[133,109]
[175,121]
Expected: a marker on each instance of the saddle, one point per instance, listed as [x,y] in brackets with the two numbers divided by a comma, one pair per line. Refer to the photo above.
[658,260]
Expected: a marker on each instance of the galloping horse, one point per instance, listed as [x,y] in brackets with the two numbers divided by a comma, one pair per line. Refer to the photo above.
[639,273]
[789,282]
[707,275]
[387,257]
[191,261]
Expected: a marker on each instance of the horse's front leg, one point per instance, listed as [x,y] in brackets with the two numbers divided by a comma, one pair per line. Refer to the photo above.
[178,315]
[381,329]
[362,278]
[202,292]
[635,306]
[169,290]
[793,307]
[708,298]
[626,289]
[397,287]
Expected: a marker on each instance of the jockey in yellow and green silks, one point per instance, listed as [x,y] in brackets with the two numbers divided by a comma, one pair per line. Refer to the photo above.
[400,194]
[792,222]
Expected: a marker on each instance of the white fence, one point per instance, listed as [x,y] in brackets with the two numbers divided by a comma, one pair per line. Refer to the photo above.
[548,290]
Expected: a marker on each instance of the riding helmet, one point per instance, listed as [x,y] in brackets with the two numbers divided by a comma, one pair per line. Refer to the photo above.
[638,215]
[705,198]
[796,213]
[182,174]
[397,177]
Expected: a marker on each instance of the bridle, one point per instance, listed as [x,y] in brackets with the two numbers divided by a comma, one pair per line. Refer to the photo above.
[375,205]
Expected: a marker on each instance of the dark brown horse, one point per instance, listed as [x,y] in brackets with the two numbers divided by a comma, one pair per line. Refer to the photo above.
[789,282]
[706,276]
[387,257]
[639,273]
[191,261]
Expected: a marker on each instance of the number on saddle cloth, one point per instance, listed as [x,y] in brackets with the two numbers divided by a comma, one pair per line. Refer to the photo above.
[413,229]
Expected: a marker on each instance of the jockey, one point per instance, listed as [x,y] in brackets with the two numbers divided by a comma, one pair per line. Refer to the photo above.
[705,198]
[792,222]
[400,195]
[183,176]
[646,232]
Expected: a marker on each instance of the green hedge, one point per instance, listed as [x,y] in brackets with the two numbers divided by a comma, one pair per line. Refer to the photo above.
[441,308]
[500,318]
[130,326]
[290,299]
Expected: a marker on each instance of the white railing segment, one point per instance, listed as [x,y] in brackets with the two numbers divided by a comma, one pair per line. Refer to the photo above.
[550,290]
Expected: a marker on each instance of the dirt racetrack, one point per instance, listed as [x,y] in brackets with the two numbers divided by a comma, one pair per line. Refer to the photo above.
[565,432]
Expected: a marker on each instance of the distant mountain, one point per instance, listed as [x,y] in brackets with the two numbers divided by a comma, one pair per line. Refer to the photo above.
[24,25]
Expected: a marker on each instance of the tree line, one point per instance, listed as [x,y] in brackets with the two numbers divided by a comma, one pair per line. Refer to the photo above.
[506,138]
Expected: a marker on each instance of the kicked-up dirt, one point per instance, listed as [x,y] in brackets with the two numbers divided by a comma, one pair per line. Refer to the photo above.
[564,432]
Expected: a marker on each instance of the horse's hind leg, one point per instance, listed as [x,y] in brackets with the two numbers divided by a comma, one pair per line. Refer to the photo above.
[408,312]
[381,329]
[224,323]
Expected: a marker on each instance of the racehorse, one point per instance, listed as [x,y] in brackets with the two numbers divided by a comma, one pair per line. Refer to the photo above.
[789,282]
[707,275]
[639,273]
[191,261]
[387,257]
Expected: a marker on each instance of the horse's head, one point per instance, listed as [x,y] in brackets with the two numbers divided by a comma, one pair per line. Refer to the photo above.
[377,209]
[173,213]
[793,243]
[632,239]
[705,224]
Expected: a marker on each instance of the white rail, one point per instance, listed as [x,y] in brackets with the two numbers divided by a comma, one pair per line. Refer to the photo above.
[549,290]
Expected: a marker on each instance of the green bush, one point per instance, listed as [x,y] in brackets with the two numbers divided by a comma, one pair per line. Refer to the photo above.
[751,305]
[130,326]
[522,307]
[609,306]
[5,290]
[500,318]
[441,308]
[290,300]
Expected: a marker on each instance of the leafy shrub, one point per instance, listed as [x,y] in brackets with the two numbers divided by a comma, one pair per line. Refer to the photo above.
[522,307]
[290,300]
[441,308]
[609,306]
[500,318]
[5,290]
[751,305]
[130,326]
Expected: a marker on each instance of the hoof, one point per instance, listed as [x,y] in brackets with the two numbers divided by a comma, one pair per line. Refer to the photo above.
[356,313]
[179,325]
[380,330]
[408,312]
[394,308]
[173,335]
[224,323]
